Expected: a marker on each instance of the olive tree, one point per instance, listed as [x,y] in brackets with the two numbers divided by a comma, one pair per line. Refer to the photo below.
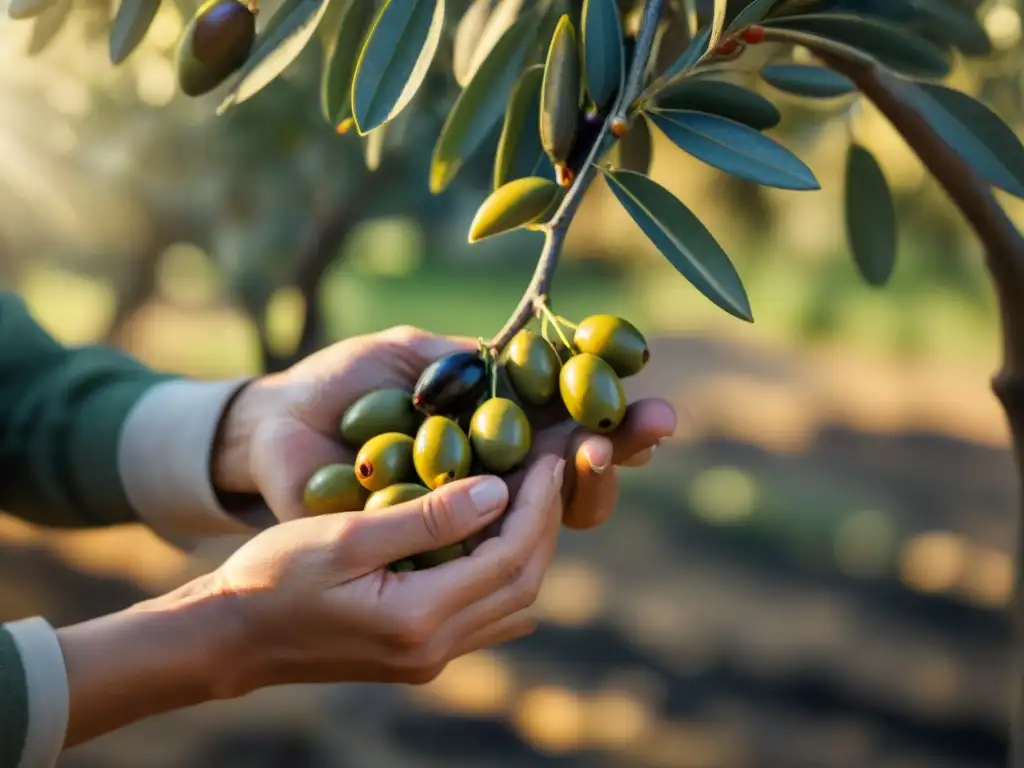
[565,93]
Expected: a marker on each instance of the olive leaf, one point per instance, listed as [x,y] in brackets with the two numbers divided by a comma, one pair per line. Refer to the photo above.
[468,33]
[807,80]
[682,239]
[560,93]
[395,60]
[343,40]
[520,153]
[479,108]
[718,97]
[977,134]
[754,13]
[603,65]
[634,151]
[734,148]
[47,26]
[892,45]
[870,217]
[505,13]
[373,146]
[693,53]
[131,23]
[288,31]
[27,9]
[518,203]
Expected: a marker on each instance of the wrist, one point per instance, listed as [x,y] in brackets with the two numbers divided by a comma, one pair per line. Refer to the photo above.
[230,460]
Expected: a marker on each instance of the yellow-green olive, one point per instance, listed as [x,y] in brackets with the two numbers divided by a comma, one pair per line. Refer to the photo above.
[384,460]
[592,393]
[500,435]
[616,341]
[532,366]
[334,488]
[441,452]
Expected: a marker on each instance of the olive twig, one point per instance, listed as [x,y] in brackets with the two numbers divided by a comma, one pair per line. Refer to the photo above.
[557,227]
[567,323]
[553,319]
[491,364]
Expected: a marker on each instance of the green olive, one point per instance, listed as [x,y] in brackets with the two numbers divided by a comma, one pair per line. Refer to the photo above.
[441,452]
[500,434]
[592,393]
[399,493]
[384,460]
[386,410]
[438,556]
[403,566]
[334,488]
[532,367]
[614,340]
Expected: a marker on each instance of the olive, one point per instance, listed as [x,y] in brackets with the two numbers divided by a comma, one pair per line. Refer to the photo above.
[451,385]
[438,556]
[562,352]
[532,366]
[403,566]
[334,488]
[592,393]
[441,452]
[399,493]
[614,340]
[386,410]
[216,42]
[500,435]
[384,460]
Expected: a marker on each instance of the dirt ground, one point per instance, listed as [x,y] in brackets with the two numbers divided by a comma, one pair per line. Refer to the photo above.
[797,581]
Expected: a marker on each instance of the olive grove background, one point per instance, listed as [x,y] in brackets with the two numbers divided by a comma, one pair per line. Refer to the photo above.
[812,574]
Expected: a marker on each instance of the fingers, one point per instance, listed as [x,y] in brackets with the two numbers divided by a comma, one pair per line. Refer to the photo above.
[424,347]
[592,482]
[507,629]
[501,561]
[445,516]
[285,454]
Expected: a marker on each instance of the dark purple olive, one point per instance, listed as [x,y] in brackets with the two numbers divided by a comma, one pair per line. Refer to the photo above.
[451,385]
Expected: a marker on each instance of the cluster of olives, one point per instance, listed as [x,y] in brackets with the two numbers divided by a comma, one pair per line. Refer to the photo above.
[453,423]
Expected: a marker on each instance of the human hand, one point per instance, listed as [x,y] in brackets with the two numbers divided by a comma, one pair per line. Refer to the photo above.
[282,428]
[316,602]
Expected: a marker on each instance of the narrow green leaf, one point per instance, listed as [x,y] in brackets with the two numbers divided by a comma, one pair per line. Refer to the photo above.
[682,239]
[47,26]
[976,132]
[735,148]
[754,13]
[807,80]
[501,19]
[717,23]
[718,97]
[131,23]
[395,60]
[892,45]
[560,93]
[467,36]
[520,153]
[870,217]
[343,40]
[693,53]
[480,106]
[289,30]
[373,146]
[604,68]
[634,151]
[518,203]
[27,9]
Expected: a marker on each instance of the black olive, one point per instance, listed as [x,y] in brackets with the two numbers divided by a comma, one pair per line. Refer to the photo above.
[452,385]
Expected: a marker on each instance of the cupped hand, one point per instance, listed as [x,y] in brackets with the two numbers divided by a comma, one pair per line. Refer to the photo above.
[284,427]
[314,601]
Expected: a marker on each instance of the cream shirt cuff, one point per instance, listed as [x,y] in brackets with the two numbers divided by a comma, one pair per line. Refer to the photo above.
[164,460]
[47,681]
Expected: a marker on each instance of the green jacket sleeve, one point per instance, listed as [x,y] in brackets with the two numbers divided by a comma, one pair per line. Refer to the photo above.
[61,414]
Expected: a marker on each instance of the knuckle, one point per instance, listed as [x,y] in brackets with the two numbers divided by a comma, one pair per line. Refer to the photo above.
[440,517]
[528,588]
[511,567]
[415,631]
[402,334]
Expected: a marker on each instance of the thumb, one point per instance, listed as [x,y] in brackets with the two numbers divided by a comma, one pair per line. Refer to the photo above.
[446,516]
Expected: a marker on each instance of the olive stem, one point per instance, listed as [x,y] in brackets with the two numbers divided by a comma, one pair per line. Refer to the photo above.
[558,226]
[553,319]
[567,323]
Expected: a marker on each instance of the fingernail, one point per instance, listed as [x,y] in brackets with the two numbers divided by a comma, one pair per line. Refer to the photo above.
[488,494]
[597,466]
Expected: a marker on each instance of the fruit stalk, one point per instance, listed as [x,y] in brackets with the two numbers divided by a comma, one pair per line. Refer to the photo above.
[1004,259]
[558,227]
